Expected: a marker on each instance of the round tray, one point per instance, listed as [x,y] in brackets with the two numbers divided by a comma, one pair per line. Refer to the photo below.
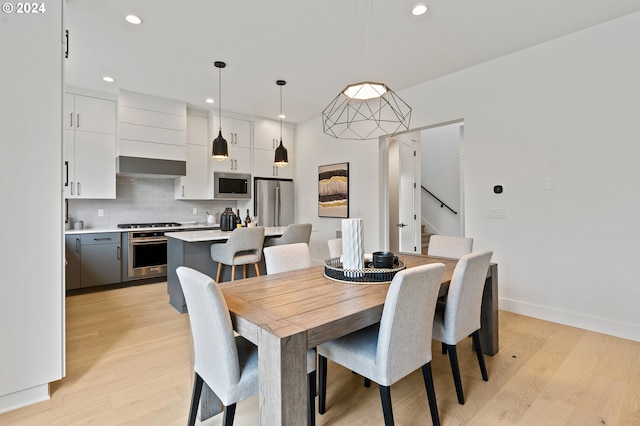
[369,275]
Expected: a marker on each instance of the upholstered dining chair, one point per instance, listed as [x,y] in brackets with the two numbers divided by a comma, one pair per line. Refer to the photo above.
[398,345]
[243,247]
[294,233]
[227,364]
[287,257]
[449,246]
[335,247]
[461,315]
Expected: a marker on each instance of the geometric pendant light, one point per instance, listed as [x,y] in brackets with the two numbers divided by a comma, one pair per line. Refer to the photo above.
[281,157]
[366,110]
[219,149]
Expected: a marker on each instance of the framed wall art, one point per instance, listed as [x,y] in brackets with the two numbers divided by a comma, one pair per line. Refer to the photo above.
[333,190]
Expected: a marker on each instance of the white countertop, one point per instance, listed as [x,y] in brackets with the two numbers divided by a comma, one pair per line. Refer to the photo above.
[218,235]
[184,226]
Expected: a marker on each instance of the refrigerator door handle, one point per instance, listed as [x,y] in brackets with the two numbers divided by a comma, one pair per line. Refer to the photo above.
[277,206]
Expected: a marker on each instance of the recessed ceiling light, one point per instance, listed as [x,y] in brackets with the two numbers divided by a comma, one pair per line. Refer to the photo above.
[282,116]
[209,100]
[108,79]
[133,19]
[419,9]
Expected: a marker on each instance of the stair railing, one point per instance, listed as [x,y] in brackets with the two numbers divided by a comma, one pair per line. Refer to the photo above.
[442,203]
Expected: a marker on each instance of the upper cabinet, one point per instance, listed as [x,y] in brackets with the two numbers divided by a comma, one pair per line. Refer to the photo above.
[237,133]
[266,138]
[89,147]
[194,185]
[152,127]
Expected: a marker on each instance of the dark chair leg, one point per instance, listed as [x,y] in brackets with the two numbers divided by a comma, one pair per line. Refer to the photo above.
[431,393]
[195,399]
[480,355]
[385,396]
[229,414]
[444,348]
[367,382]
[311,396]
[453,360]
[322,384]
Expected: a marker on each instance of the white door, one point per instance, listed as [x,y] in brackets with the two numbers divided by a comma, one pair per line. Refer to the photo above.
[408,197]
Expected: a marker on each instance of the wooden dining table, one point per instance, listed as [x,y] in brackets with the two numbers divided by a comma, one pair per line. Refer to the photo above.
[284,314]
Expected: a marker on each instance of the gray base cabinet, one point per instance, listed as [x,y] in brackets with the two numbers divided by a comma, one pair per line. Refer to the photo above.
[93,259]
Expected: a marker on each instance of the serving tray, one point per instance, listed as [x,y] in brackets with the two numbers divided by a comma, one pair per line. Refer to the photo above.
[368,275]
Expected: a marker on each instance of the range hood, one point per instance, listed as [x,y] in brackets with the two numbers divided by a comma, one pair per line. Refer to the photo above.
[150,167]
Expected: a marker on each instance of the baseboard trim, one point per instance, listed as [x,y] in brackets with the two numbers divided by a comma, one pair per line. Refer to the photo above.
[24,397]
[574,319]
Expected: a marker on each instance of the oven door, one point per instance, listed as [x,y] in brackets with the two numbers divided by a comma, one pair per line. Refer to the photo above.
[147,255]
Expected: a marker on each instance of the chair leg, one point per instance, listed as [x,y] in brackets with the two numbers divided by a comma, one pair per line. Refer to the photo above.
[229,414]
[233,272]
[218,273]
[431,393]
[367,382]
[480,355]
[387,411]
[322,384]
[195,399]
[444,348]
[244,271]
[455,369]
[255,265]
[311,395]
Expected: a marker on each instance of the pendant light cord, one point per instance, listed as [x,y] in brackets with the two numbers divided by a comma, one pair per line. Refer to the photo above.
[220,97]
[280,113]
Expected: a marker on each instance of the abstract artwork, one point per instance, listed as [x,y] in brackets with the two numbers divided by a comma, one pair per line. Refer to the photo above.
[333,190]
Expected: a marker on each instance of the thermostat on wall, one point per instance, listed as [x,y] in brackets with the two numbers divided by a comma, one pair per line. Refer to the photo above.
[497,189]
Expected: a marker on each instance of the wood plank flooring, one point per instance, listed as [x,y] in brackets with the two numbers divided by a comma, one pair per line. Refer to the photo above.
[128,363]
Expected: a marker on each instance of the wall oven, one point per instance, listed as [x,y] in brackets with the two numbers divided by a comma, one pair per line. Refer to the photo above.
[147,254]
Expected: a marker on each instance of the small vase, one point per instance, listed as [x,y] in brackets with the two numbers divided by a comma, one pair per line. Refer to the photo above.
[352,245]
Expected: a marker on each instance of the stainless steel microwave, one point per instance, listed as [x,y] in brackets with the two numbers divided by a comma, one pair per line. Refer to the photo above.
[231,186]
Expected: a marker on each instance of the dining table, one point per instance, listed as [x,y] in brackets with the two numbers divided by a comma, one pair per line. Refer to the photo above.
[287,313]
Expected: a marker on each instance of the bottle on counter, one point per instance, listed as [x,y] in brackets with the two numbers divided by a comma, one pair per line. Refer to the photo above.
[247,220]
[238,220]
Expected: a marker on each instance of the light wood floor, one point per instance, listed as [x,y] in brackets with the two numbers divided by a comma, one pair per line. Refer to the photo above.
[128,359]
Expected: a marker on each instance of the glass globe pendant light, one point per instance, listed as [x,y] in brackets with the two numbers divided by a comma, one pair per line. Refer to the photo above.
[281,158]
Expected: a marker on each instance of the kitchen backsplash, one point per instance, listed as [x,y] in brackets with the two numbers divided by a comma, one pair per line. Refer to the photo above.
[142,200]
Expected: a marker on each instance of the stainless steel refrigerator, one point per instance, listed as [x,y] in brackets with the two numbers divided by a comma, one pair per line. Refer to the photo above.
[273,201]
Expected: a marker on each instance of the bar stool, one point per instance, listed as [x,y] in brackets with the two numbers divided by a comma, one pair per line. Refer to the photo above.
[244,246]
[294,233]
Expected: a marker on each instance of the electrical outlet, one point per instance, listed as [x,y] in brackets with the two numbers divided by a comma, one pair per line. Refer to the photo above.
[195,210]
[100,212]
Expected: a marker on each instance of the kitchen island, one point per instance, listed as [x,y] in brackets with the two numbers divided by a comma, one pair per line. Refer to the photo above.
[193,249]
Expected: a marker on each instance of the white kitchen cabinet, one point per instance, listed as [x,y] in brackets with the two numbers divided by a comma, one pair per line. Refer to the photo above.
[90,167]
[239,161]
[266,135]
[194,185]
[89,114]
[266,139]
[237,132]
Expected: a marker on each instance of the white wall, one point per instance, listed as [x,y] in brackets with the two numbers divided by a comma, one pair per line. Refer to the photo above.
[565,110]
[31,261]
[440,174]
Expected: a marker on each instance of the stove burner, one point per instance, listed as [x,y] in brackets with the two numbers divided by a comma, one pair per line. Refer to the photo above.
[149,225]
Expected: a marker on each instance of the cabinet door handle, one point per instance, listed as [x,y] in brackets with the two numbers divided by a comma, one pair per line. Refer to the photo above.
[78,184]
[182,191]
[70,119]
[77,245]
[78,121]
[102,239]
[118,253]
[72,188]
[66,166]
[66,38]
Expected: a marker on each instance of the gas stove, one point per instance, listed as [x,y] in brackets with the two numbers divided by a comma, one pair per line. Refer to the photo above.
[149,225]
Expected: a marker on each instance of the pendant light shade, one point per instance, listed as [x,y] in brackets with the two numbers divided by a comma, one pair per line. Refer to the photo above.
[366,111]
[220,151]
[281,157]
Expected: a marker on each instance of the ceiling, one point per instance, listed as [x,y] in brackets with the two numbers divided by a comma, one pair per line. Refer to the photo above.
[318,47]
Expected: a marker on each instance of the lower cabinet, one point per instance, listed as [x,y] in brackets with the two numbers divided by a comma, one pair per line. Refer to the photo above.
[92,259]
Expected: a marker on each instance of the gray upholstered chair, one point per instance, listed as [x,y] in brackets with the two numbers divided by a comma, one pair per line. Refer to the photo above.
[227,364]
[335,247]
[449,246]
[398,345]
[294,233]
[287,257]
[244,246]
[461,315]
